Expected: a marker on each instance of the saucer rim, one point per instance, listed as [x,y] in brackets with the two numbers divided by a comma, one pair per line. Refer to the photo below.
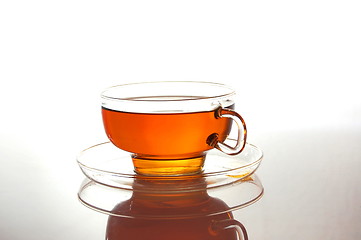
[167,177]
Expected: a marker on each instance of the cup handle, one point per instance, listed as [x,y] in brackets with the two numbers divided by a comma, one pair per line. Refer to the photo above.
[218,226]
[242,133]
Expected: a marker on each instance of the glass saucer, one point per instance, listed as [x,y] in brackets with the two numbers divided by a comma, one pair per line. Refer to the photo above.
[161,204]
[108,165]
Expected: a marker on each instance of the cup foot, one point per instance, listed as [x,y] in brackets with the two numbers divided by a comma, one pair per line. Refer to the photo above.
[168,167]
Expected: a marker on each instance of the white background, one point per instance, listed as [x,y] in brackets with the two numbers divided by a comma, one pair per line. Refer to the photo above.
[296,66]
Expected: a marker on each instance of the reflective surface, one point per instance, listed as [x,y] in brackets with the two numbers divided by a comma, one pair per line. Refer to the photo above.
[170,196]
[311,181]
[198,206]
[185,215]
[154,209]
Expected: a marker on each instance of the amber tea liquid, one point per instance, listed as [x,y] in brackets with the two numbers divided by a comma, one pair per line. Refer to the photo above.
[165,143]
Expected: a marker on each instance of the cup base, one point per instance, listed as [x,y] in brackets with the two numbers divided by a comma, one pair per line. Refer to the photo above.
[168,167]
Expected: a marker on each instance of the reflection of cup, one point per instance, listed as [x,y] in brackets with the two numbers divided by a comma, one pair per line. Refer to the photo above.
[169,126]
[165,213]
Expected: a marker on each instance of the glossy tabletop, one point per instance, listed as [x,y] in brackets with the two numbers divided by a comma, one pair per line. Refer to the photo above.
[311,181]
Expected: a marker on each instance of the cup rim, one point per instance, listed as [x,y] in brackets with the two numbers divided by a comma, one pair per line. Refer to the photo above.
[221,85]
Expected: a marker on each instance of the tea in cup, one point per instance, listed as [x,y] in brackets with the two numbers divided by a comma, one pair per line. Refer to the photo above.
[169,126]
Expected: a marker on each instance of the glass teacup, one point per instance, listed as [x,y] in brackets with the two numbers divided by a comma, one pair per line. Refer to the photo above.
[169,126]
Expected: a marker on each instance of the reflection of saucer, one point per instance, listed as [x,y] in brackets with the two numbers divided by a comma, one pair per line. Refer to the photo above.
[105,199]
[106,164]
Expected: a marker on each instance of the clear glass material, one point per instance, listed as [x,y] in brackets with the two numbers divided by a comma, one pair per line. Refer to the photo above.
[170,126]
[112,179]
[168,97]
[197,206]
[108,165]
